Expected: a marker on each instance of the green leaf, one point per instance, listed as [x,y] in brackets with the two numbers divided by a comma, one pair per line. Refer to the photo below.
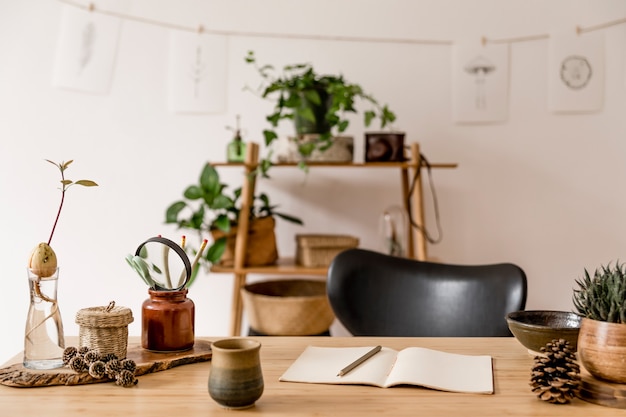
[210,180]
[194,274]
[86,183]
[193,192]
[274,118]
[369,116]
[222,202]
[313,96]
[215,252]
[343,125]
[289,218]
[171,214]
[222,222]
[250,59]
[269,136]
[306,149]
[141,267]
[197,219]
[307,114]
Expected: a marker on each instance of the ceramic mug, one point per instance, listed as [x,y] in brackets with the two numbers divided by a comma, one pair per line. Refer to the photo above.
[236,379]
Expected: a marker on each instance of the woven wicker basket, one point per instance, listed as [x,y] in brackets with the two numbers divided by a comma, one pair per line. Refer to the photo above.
[104,329]
[319,250]
[288,307]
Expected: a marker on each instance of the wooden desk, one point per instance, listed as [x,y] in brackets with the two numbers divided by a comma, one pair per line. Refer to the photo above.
[182,391]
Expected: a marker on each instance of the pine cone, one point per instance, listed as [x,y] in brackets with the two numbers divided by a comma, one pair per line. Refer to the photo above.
[112,368]
[97,370]
[91,357]
[77,364]
[555,377]
[129,365]
[126,378]
[68,354]
[108,357]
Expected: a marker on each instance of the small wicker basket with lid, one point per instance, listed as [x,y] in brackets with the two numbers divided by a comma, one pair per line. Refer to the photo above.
[104,329]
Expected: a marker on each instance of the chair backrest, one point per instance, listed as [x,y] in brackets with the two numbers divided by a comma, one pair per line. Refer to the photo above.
[374,294]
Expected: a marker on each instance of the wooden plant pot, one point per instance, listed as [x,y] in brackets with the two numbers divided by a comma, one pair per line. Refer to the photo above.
[261,249]
[602,349]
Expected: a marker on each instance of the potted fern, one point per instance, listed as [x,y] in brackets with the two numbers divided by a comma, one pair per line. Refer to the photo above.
[208,208]
[317,105]
[601,301]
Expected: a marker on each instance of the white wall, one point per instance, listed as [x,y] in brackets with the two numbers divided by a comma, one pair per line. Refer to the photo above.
[542,190]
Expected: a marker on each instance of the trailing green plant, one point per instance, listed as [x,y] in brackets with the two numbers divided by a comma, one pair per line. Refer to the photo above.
[603,296]
[317,104]
[207,205]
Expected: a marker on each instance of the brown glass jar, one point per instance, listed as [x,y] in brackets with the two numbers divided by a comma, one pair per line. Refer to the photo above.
[167,321]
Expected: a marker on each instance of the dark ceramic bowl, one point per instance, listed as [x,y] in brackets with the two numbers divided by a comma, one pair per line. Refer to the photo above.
[535,328]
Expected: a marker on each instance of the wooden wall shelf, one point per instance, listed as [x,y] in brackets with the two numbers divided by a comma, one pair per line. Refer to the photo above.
[416,245]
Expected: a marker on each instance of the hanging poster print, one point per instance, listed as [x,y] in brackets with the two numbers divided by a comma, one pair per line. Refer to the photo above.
[480,81]
[197,72]
[86,51]
[576,73]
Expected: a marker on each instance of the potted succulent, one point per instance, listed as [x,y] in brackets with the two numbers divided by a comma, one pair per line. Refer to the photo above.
[207,207]
[44,340]
[601,301]
[316,104]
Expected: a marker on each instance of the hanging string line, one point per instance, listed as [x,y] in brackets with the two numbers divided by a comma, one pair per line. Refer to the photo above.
[580,29]
[201,29]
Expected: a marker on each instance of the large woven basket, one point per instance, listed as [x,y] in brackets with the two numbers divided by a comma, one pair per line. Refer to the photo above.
[104,329]
[287,307]
[315,250]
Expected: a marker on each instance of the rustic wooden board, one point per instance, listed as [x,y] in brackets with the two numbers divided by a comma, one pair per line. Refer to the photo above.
[602,392]
[147,362]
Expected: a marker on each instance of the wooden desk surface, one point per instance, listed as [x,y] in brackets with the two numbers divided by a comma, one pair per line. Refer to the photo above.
[182,391]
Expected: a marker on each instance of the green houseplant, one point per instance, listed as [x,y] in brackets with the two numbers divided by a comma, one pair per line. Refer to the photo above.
[317,104]
[601,301]
[208,207]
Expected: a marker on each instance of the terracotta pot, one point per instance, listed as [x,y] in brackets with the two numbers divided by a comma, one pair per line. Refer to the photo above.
[602,349]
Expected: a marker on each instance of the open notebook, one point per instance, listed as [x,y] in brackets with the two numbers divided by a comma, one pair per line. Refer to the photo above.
[413,366]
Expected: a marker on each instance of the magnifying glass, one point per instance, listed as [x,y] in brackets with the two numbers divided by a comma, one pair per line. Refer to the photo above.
[154,262]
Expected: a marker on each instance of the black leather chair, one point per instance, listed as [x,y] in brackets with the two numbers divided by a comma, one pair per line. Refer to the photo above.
[374,294]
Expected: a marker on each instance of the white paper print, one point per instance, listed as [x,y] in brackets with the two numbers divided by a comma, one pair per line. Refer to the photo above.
[86,51]
[197,72]
[576,73]
[480,83]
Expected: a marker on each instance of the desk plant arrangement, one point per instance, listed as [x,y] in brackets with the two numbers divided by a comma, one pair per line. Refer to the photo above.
[601,301]
[44,340]
[316,103]
[207,207]
[167,316]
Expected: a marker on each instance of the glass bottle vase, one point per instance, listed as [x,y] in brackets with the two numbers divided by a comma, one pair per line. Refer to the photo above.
[44,342]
